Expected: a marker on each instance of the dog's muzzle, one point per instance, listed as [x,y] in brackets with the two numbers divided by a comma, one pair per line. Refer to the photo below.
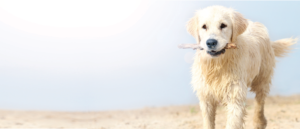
[216,53]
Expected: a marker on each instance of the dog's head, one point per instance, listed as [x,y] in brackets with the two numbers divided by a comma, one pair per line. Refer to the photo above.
[214,27]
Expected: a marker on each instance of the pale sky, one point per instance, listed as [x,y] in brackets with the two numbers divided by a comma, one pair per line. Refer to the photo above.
[93,55]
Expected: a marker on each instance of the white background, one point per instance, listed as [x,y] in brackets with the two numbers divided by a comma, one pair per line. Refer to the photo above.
[94,55]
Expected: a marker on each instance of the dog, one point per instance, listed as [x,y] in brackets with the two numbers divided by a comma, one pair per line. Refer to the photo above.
[222,76]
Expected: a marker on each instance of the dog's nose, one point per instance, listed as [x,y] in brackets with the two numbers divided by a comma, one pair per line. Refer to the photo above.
[211,43]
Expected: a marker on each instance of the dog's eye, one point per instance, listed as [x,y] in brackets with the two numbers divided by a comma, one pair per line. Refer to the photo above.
[223,26]
[204,26]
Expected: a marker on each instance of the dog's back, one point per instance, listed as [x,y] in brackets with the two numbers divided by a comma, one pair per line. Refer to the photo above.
[262,54]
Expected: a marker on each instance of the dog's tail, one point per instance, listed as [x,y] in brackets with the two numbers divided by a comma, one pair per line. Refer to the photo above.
[282,47]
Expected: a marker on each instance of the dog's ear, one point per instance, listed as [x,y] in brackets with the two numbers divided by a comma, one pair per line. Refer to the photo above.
[192,28]
[239,25]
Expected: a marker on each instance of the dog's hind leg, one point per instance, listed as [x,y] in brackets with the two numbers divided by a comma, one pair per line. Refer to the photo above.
[260,86]
[259,120]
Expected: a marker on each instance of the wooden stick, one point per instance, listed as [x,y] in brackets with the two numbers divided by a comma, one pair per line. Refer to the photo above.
[230,46]
[187,46]
[197,46]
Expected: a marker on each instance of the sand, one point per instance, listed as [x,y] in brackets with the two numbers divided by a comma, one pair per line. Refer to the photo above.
[281,113]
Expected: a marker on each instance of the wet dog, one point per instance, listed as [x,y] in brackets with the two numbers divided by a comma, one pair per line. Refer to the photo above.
[222,75]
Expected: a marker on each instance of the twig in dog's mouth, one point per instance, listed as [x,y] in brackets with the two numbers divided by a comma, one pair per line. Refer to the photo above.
[187,46]
[230,46]
[197,46]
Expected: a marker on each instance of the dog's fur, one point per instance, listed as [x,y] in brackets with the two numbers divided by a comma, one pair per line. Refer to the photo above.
[225,78]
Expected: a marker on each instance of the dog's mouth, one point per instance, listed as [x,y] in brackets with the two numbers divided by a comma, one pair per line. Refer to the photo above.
[216,53]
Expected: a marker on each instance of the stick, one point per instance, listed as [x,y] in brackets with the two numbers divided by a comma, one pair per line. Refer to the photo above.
[230,46]
[197,46]
[193,46]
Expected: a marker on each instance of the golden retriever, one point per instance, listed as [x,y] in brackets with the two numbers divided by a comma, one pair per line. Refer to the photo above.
[223,76]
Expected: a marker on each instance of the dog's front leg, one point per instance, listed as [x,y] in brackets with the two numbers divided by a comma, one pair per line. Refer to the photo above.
[236,106]
[208,109]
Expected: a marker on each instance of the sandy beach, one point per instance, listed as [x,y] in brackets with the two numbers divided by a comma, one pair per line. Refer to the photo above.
[281,113]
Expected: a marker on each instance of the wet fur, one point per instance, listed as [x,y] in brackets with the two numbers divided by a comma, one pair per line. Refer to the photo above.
[225,79]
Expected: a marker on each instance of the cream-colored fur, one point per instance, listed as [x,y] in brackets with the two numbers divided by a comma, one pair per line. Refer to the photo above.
[224,79]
